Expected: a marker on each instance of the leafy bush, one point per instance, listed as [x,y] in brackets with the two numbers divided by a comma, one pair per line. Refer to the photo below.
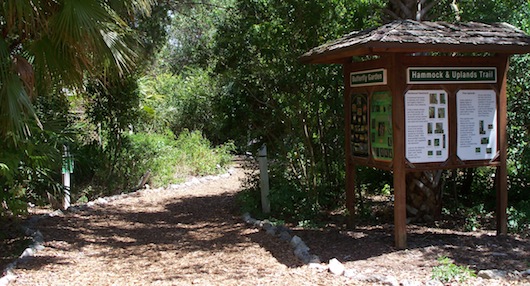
[168,160]
[519,218]
[249,199]
[476,217]
[30,172]
[30,168]
[196,152]
[291,197]
[180,102]
[171,161]
[156,153]
[447,271]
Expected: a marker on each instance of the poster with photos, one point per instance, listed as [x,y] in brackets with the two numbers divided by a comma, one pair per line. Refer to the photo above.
[359,125]
[426,126]
[477,124]
[381,126]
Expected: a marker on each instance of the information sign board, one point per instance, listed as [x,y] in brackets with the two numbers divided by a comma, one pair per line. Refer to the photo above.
[437,75]
[426,126]
[368,78]
[477,124]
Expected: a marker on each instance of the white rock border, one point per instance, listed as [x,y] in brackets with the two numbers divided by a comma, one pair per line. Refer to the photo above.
[300,249]
[334,266]
[36,245]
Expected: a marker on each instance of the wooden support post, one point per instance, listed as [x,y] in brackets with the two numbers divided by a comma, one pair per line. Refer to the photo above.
[502,171]
[400,207]
[350,193]
[350,166]
[398,124]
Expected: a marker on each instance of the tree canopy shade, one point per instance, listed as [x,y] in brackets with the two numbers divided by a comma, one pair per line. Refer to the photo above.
[414,36]
[49,45]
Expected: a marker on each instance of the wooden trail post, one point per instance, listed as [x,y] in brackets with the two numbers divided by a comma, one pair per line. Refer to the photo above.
[264,179]
[422,102]
[67,169]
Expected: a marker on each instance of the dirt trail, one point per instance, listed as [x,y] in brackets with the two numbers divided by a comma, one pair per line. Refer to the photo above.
[170,237]
[195,235]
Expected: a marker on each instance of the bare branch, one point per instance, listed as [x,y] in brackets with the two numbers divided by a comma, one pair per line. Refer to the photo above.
[404,9]
[456,10]
[425,10]
[391,14]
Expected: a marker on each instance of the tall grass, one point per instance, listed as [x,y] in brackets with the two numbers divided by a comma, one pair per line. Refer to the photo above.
[171,160]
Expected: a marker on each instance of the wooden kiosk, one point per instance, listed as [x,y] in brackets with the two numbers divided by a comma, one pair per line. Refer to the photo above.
[430,96]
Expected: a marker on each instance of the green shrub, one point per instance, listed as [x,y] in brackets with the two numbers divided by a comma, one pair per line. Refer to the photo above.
[474,216]
[29,172]
[155,153]
[519,218]
[249,201]
[447,271]
[169,161]
[196,153]
[181,102]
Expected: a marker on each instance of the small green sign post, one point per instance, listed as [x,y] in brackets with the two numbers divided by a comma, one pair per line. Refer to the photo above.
[68,163]
[67,169]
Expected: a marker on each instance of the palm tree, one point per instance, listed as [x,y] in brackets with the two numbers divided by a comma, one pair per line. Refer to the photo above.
[424,189]
[409,9]
[50,45]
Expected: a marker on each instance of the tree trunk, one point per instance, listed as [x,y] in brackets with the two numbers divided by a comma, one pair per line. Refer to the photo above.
[424,195]
[424,189]
[412,9]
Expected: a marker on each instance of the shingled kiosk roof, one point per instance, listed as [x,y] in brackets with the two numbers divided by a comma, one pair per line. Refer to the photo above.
[408,36]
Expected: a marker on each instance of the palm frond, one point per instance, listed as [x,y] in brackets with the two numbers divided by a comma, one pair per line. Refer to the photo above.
[57,66]
[15,107]
[5,61]
[91,32]
[20,16]
[25,71]
[47,44]
[124,57]
[143,7]
[15,102]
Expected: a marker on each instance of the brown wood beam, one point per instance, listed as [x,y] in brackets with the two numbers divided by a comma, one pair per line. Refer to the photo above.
[397,86]
[502,170]
[350,165]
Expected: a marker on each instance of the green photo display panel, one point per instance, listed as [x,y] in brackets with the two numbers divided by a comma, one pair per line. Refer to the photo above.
[381,126]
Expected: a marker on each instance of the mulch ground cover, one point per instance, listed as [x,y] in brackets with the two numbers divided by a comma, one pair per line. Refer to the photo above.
[195,235]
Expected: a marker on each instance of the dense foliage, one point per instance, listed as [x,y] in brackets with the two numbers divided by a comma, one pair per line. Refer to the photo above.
[69,76]
[156,81]
[46,50]
[297,110]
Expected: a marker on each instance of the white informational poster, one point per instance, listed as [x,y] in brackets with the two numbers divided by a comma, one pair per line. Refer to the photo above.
[477,124]
[427,126]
